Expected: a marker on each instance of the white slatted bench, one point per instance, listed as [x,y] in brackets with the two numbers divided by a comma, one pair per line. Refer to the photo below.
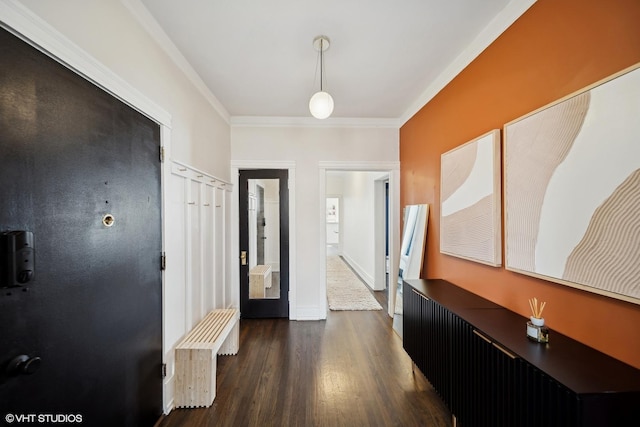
[217,333]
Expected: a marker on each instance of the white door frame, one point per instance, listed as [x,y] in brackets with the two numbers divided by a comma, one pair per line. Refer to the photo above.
[380,263]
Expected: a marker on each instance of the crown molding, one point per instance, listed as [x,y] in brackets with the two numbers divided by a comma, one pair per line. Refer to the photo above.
[337,122]
[263,164]
[149,23]
[511,12]
[348,165]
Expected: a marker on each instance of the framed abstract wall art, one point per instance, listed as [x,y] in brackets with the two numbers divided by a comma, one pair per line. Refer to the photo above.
[572,189]
[470,202]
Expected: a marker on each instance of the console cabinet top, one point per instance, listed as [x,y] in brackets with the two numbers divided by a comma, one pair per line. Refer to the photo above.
[578,367]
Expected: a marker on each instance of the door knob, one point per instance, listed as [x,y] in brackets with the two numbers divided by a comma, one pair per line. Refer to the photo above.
[243,257]
[23,364]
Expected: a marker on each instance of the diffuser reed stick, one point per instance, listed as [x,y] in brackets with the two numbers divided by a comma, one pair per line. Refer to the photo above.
[536,308]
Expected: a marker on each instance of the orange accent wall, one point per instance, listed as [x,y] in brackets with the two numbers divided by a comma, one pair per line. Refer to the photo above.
[556,48]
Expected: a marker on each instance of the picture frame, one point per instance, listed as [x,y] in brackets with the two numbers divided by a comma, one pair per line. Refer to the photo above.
[572,189]
[470,201]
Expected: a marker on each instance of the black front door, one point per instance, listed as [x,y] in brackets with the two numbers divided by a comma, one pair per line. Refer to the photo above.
[81,337]
[264,243]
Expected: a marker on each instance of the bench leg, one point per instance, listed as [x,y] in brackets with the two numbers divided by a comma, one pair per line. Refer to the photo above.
[231,343]
[195,382]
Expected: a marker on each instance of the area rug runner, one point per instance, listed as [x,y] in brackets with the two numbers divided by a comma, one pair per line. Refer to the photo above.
[345,290]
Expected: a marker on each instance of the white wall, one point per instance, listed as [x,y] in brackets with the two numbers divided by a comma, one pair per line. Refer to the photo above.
[307,147]
[335,182]
[358,230]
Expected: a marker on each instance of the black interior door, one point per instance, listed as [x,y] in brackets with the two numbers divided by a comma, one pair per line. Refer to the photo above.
[80,171]
[264,243]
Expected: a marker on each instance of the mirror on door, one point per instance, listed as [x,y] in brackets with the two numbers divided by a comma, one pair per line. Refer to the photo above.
[264,239]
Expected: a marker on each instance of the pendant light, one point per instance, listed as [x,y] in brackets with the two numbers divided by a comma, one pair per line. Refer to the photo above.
[321,103]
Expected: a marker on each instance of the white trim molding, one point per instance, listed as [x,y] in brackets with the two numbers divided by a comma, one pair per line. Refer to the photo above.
[347,165]
[311,122]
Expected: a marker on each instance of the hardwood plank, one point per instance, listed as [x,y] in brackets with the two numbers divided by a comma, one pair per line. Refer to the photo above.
[349,370]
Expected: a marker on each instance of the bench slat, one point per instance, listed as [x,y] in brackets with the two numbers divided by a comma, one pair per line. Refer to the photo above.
[210,321]
[208,330]
[207,336]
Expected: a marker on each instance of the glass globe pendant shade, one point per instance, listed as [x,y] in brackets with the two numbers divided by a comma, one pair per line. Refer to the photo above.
[321,105]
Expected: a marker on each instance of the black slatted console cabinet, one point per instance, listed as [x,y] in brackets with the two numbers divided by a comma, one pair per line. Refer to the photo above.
[478,358]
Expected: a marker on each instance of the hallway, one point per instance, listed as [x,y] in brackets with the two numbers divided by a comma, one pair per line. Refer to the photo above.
[349,370]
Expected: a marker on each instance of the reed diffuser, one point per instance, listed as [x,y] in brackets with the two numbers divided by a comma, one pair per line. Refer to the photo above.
[536,330]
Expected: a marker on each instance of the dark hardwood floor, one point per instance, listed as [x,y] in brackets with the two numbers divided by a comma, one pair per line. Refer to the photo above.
[349,370]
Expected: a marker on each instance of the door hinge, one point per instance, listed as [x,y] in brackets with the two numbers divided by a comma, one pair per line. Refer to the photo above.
[161,154]
[164,370]
[163,261]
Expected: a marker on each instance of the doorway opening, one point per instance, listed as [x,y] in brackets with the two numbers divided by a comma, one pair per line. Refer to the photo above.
[357,222]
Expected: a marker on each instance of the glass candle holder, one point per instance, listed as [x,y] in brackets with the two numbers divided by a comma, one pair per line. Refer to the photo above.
[536,331]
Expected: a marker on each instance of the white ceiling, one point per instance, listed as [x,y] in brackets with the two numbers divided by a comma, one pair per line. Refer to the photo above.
[386,59]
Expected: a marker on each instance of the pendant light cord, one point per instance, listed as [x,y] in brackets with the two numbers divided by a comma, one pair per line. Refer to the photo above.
[321,64]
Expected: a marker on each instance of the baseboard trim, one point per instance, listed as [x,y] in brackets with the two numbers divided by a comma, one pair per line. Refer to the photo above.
[309,313]
[362,274]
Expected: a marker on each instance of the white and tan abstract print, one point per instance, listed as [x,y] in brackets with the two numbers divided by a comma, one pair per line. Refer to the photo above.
[572,190]
[470,200]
